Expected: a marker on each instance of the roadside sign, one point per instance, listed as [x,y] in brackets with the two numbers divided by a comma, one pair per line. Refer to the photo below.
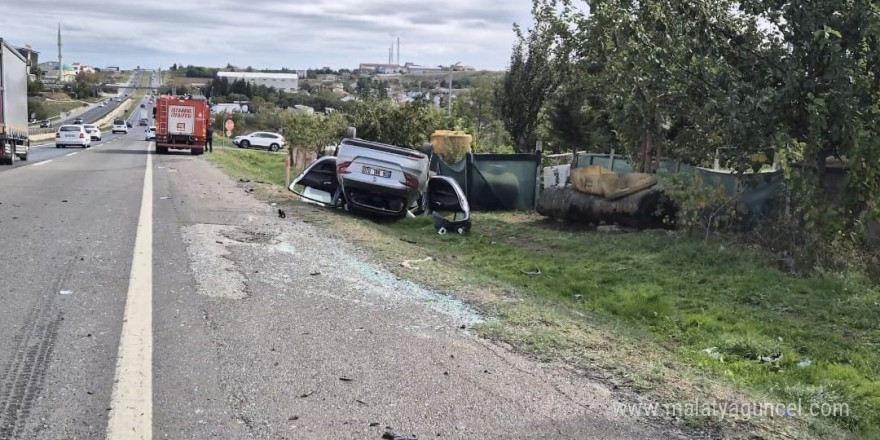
[229,125]
[228,133]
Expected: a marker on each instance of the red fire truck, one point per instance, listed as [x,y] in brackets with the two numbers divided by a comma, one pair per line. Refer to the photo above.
[180,123]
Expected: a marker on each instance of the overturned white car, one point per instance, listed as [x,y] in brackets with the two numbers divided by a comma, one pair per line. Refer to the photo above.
[380,180]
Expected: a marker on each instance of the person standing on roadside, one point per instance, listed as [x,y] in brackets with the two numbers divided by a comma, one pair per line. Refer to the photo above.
[209,138]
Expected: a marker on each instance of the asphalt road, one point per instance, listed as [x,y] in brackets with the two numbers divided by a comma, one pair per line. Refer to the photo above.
[96,112]
[149,296]
[46,151]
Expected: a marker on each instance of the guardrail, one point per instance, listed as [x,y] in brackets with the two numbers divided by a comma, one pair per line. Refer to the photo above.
[37,130]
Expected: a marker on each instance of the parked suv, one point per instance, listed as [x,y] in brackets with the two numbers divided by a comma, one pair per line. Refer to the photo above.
[72,135]
[260,139]
[119,126]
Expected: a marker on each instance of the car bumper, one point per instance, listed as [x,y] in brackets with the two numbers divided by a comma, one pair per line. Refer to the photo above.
[377,199]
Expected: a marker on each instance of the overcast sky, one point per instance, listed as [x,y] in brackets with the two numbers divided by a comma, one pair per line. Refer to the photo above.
[296,34]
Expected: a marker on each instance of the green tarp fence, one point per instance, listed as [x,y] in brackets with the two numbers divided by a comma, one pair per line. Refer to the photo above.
[761,192]
[494,182]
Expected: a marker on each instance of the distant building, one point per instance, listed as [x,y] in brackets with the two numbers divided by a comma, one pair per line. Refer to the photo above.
[32,57]
[79,67]
[50,71]
[112,68]
[381,68]
[414,68]
[226,108]
[337,88]
[284,82]
[301,109]
[460,68]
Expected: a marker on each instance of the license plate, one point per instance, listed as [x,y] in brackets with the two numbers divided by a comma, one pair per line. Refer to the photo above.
[377,172]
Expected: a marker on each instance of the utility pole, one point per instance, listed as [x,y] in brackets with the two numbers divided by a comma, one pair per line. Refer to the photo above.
[449,104]
[60,66]
[449,100]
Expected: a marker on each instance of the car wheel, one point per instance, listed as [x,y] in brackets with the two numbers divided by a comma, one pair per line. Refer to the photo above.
[245,144]
[274,147]
[57,146]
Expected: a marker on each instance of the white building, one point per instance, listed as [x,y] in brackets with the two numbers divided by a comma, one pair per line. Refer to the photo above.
[284,82]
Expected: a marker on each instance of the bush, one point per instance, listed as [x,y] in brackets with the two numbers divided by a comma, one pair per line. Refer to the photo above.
[700,205]
[407,125]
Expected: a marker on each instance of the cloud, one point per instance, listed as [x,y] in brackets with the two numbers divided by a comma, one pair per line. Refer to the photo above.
[268,33]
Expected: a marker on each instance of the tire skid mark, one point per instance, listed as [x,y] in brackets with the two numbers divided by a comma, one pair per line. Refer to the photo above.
[21,380]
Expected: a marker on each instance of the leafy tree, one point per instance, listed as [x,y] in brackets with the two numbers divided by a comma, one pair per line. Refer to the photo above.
[34,88]
[670,74]
[407,125]
[528,82]
[314,132]
[477,109]
[37,107]
[828,88]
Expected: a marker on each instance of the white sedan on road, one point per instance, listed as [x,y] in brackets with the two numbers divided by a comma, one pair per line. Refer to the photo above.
[151,133]
[260,139]
[72,135]
[93,131]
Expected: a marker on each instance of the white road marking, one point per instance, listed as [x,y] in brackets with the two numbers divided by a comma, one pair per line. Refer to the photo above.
[42,163]
[71,154]
[131,414]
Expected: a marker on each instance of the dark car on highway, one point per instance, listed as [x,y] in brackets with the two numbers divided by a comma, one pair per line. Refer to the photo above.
[45,123]
[78,121]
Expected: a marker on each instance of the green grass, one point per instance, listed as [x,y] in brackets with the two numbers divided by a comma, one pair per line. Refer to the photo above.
[256,165]
[689,296]
[670,296]
[53,108]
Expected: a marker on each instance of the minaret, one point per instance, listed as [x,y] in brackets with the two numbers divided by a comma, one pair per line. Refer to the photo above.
[60,66]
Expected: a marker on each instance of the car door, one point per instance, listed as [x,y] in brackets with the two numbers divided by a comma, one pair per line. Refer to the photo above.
[318,183]
[263,139]
[446,203]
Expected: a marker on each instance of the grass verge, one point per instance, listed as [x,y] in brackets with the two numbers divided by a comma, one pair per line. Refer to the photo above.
[256,165]
[663,316]
[54,108]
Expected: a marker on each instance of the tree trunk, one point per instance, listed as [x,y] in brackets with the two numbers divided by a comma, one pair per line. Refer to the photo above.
[644,209]
[645,166]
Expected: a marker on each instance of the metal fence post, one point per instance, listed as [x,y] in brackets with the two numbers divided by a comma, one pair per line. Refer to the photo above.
[538,153]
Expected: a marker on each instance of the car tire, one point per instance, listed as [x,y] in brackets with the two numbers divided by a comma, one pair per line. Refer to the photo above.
[57,146]
[245,144]
[274,147]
